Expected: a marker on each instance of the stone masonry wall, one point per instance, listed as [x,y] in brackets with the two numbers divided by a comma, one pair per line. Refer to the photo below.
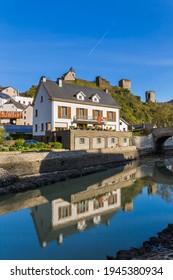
[22,164]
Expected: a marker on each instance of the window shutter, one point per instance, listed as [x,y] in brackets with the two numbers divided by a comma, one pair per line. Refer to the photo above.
[77,111]
[107,115]
[59,212]
[87,205]
[69,210]
[93,114]
[86,112]
[69,112]
[114,116]
[59,111]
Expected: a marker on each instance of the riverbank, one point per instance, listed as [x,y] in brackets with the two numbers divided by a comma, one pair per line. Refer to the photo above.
[156,248]
[24,171]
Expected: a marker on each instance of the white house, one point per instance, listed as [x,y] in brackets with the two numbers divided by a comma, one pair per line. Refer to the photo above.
[23,100]
[11,112]
[60,106]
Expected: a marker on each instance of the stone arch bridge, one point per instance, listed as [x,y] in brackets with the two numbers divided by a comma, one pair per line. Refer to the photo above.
[160,135]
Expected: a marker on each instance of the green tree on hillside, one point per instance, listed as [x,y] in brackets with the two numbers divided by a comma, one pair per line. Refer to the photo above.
[31,92]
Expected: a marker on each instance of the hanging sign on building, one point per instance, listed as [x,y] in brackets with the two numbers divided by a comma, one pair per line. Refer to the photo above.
[10,115]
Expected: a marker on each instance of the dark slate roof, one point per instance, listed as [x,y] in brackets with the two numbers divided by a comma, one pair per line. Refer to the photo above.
[68,92]
[4,96]
[17,104]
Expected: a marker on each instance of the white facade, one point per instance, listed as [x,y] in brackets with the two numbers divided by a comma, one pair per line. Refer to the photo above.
[42,112]
[23,100]
[74,106]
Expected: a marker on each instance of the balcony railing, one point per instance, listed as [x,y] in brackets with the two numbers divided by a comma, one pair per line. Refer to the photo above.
[89,119]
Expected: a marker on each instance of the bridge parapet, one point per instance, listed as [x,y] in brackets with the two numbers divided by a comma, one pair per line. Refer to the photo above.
[160,135]
[162,131]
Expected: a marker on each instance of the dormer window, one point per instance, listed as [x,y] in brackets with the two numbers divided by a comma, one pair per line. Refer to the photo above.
[95,98]
[80,95]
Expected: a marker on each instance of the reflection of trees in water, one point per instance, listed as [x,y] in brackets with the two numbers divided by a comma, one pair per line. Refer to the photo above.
[130,192]
[165,191]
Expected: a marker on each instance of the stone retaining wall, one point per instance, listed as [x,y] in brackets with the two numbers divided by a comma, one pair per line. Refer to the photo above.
[22,164]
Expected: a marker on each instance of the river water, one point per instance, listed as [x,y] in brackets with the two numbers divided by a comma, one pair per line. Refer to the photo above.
[90,217]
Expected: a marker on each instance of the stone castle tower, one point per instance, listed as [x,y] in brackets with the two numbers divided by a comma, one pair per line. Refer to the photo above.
[150,96]
[124,83]
[69,76]
[100,82]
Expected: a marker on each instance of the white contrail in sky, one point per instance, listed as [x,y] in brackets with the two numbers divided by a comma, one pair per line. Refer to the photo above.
[101,39]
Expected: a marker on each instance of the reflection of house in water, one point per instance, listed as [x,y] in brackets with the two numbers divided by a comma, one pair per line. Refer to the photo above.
[97,204]
[61,218]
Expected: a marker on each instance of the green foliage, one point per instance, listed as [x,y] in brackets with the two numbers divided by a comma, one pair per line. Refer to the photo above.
[134,111]
[79,82]
[19,143]
[2,134]
[41,145]
[55,145]
[12,149]
[31,92]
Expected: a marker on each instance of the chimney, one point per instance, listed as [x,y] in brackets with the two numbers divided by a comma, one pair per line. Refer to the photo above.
[106,90]
[59,82]
[43,79]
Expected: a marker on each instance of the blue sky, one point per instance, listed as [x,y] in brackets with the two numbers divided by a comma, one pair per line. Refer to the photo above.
[115,39]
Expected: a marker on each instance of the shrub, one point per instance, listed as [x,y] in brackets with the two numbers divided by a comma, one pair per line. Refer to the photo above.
[12,149]
[19,143]
[41,145]
[2,134]
[55,145]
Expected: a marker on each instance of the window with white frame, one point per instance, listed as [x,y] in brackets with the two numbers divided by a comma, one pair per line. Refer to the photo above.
[64,112]
[111,116]
[95,98]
